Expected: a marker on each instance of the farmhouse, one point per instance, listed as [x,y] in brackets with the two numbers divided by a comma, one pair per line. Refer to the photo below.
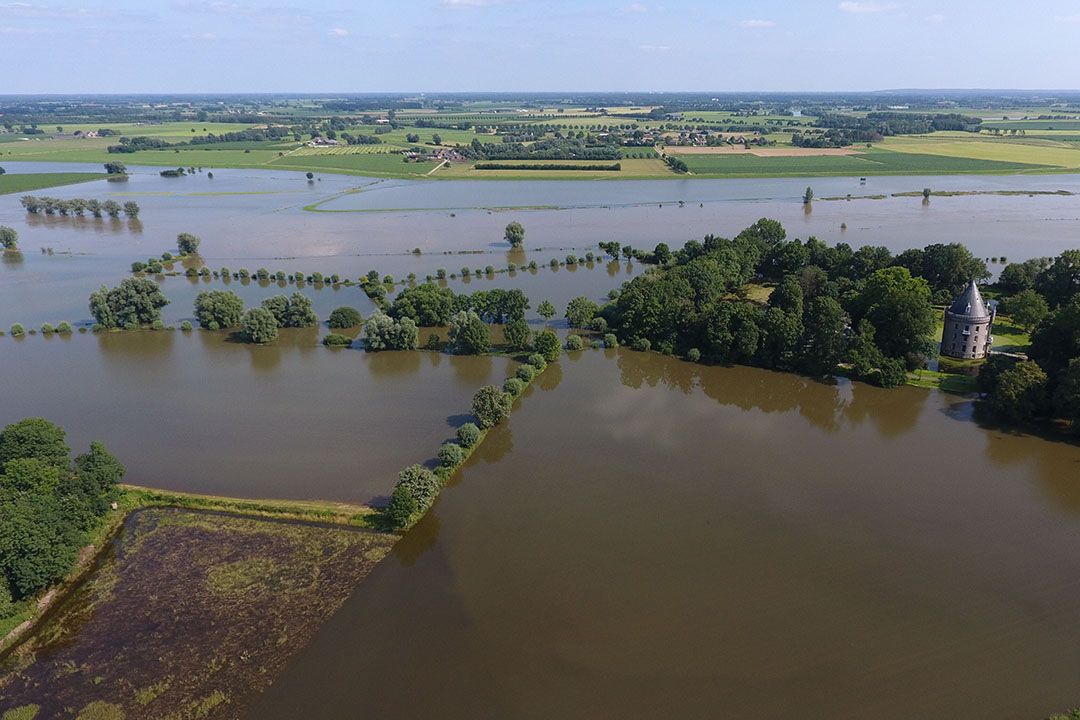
[968,322]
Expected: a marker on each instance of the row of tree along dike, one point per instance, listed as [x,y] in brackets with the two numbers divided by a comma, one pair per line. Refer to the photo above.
[79,207]
[418,486]
[838,310]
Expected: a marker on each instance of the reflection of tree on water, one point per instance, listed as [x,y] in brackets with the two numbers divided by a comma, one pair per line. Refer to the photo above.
[1054,458]
[393,362]
[12,257]
[138,346]
[421,538]
[550,378]
[516,255]
[496,444]
[894,412]
[471,369]
[826,404]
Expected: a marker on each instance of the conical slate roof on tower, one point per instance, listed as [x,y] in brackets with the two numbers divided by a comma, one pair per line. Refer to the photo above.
[969,304]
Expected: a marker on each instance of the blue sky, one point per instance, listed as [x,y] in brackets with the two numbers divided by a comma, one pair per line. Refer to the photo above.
[506,45]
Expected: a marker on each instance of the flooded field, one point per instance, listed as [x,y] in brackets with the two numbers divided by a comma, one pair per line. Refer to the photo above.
[721,542]
[188,615]
[294,420]
[252,219]
[645,537]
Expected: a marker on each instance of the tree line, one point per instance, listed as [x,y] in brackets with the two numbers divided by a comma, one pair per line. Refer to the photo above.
[1045,297]
[78,207]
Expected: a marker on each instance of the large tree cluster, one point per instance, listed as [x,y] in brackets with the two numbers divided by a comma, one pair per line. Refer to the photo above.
[48,503]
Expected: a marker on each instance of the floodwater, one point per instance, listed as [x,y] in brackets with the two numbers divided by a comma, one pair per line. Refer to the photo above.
[194,412]
[257,218]
[651,538]
[644,537]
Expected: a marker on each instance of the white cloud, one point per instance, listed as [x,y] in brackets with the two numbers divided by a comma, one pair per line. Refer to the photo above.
[758,23]
[866,6]
[636,8]
[935,19]
[1068,18]
[337,32]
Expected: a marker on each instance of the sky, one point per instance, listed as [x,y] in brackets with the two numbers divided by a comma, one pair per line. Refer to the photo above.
[337,46]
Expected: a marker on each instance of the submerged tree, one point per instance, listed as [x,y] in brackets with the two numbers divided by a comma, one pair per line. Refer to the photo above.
[259,326]
[515,234]
[9,238]
[133,303]
[188,244]
[490,406]
[217,309]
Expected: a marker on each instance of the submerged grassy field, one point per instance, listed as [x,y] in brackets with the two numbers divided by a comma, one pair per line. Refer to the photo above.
[188,615]
[25,182]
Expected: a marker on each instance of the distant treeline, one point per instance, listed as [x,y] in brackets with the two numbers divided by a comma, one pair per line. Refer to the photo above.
[142,142]
[553,149]
[843,130]
[545,166]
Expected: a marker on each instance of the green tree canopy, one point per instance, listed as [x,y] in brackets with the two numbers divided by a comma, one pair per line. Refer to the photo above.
[547,344]
[1027,308]
[1061,281]
[385,333]
[34,438]
[515,234]
[215,309]
[188,244]
[545,310]
[898,306]
[580,311]
[517,334]
[344,317]
[469,335]
[259,326]
[9,238]
[427,305]
[134,302]
[490,406]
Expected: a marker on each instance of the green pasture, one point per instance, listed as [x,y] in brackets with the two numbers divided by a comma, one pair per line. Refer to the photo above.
[869,162]
[359,164]
[25,182]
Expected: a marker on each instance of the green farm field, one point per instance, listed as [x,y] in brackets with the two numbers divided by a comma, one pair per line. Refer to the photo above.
[869,162]
[632,169]
[25,182]
[377,164]
[1048,154]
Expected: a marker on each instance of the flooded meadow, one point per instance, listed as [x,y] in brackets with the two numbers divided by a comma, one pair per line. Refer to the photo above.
[644,537]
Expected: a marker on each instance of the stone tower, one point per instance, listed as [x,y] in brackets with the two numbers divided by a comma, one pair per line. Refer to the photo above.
[968,322]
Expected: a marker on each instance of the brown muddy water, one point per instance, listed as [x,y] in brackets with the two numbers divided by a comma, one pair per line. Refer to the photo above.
[195,412]
[650,538]
[252,219]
